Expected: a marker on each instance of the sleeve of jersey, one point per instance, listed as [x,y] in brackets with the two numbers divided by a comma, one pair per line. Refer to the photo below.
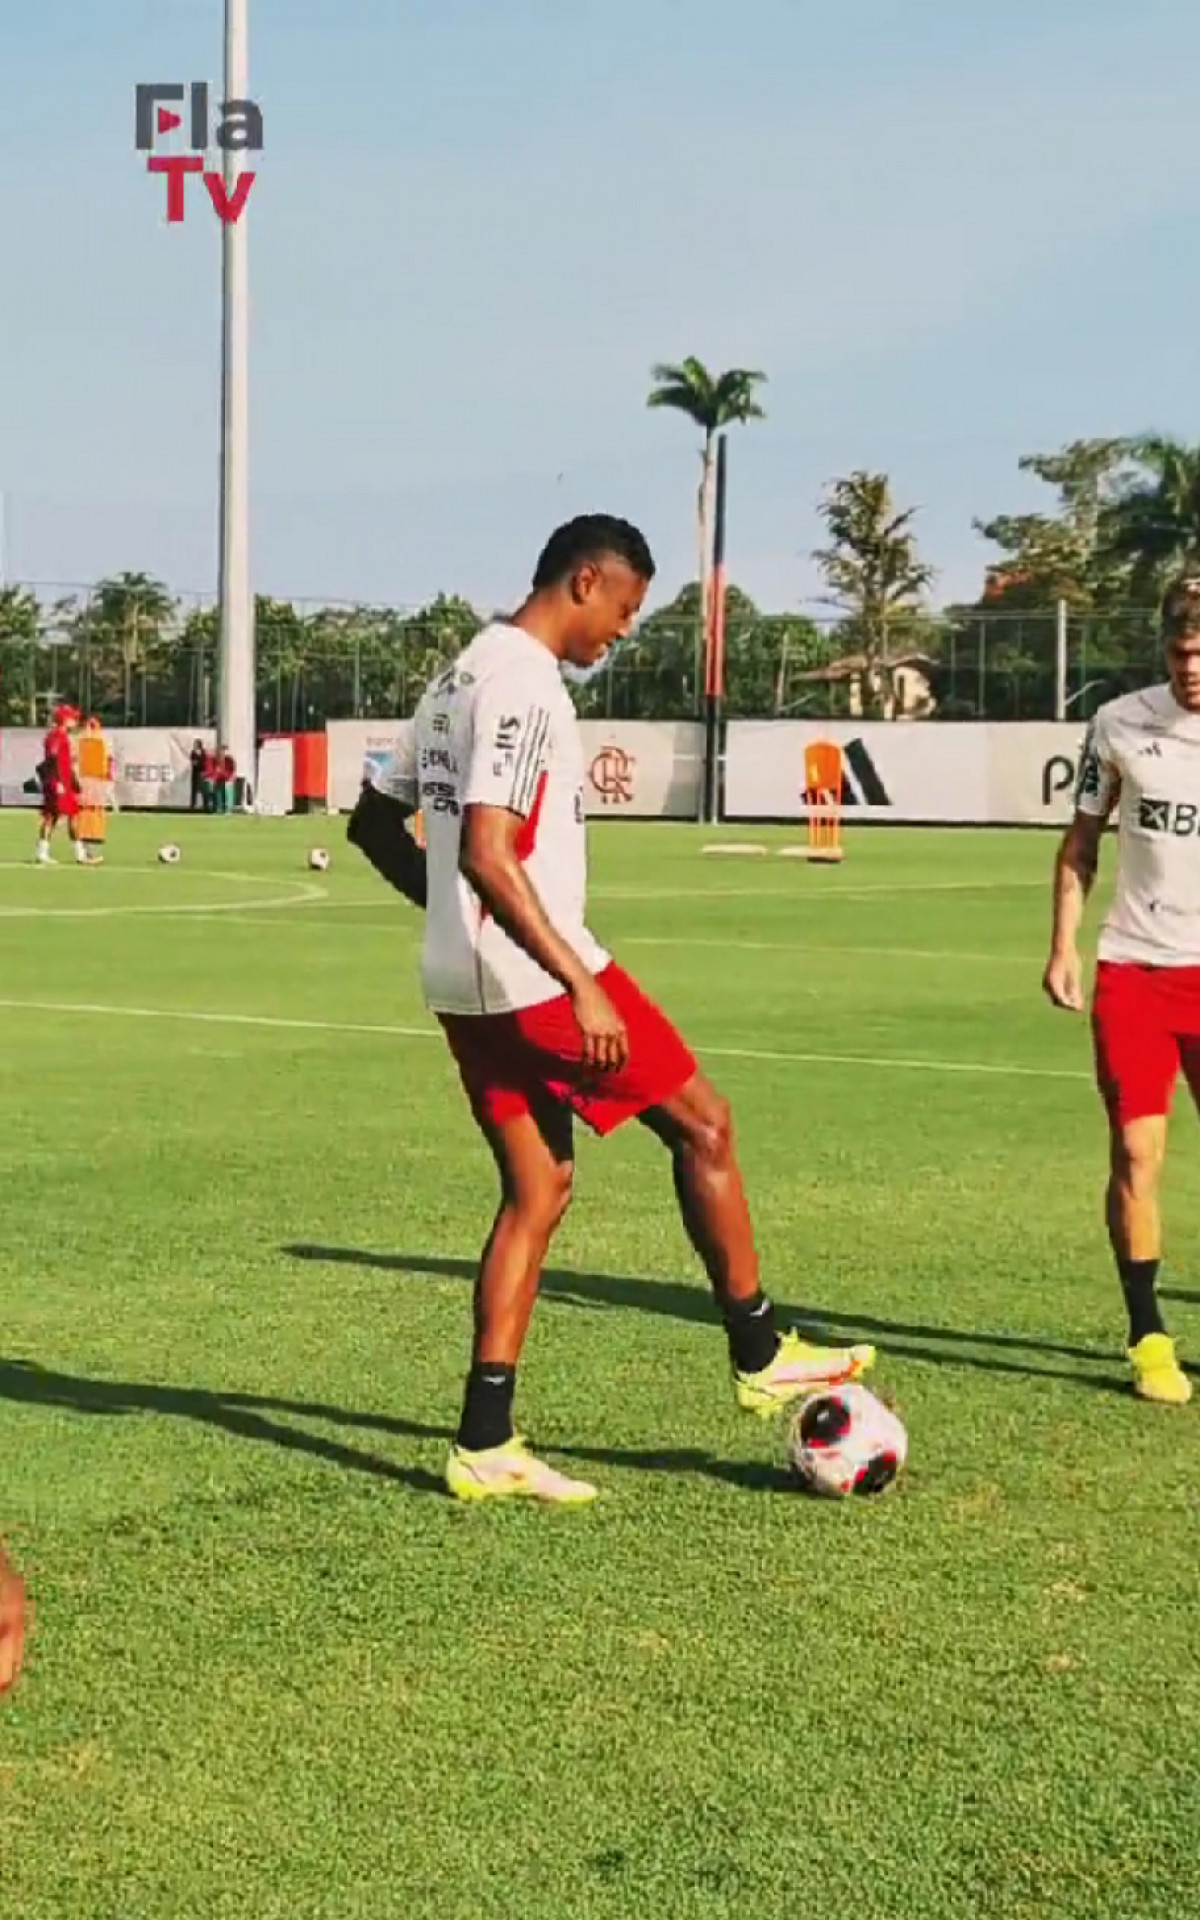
[510,750]
[397,777]
[1098,781]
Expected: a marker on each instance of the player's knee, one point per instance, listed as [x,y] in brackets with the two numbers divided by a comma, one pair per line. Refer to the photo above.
[712,1130]
[1137,1157]
[544,1202]
[562,1188]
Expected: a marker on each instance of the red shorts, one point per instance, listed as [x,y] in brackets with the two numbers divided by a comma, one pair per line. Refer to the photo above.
[1145,1027]
[515,1063]
[60,806]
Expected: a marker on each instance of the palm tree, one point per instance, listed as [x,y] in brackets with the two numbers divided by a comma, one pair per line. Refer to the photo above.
[874,574]
[713,401]
[1154,526]
[128,619]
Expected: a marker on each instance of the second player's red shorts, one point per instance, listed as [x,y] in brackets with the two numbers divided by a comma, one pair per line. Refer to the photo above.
[513,1063]
[1145,1027]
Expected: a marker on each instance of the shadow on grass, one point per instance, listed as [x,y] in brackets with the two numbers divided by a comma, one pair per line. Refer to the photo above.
[268,1419]
[245,1417]
[680,1302]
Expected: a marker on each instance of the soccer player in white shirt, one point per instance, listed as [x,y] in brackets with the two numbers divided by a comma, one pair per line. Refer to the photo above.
[543,1024]
[1142,751]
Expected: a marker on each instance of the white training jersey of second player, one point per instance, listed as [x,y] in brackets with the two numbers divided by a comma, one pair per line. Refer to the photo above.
[1143,750]
[496,729]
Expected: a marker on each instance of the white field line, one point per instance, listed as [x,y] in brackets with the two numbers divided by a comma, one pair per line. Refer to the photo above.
[783,1056]
[300,893]
[403,933]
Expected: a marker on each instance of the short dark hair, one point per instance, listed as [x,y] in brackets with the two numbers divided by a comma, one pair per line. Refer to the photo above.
[592,537]
[1181,607]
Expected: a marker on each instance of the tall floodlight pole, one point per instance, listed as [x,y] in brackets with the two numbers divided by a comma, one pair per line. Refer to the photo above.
[236,677]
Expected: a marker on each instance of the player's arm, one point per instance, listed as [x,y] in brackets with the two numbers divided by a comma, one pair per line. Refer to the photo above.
[1075,867]
[378,826]
[509,756]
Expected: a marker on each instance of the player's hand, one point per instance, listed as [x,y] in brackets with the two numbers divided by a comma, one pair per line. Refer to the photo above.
[1062,982]
[605,1041]
[12,1625]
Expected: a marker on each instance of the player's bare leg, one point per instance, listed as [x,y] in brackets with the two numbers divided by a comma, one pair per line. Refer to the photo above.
[535,1160]
[697,1128]
[1137,1149]
[536,1163]
[1137,1152]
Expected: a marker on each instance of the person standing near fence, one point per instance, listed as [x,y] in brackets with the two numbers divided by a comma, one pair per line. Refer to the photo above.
[208,780]
[199,756]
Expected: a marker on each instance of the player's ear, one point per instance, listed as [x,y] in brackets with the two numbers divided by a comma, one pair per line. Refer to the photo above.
[583,580]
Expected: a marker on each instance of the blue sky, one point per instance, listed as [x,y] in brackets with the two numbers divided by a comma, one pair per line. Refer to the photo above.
[951,231]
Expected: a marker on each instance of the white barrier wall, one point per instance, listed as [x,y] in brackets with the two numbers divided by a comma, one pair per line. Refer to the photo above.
[153,764]
[643,769]
[990,773]
[636,769]
[20,751]
[357,748]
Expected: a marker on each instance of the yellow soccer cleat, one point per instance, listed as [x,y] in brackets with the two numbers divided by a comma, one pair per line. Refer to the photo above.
[511,1472]
[797,1369]
[1157,1374]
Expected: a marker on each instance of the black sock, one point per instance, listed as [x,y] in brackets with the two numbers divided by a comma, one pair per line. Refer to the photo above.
[487,1407]
[750,1325]
[1138,1279]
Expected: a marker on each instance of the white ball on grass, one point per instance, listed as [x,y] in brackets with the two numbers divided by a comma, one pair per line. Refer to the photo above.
[842,1440]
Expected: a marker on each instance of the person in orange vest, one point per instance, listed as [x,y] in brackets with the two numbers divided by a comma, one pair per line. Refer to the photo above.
[95,788]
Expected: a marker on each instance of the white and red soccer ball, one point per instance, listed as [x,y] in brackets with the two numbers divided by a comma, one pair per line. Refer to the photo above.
[843,1441]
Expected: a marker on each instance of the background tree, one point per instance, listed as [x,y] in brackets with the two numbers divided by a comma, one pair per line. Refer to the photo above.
[122,635]
[875,576]
[1152,527]
[20,634]
[713,401]
[1061,555]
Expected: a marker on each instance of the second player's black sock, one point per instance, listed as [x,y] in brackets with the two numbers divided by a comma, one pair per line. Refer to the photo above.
[1138,1278]
[487,1407]
[750,1326]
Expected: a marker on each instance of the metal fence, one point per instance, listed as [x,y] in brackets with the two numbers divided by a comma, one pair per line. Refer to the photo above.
[153,662]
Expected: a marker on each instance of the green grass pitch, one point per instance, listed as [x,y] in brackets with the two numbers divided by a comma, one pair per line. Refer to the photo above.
[277,1675]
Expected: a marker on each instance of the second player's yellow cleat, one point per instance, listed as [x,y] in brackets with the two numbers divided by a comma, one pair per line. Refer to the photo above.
[1157,1374]
[799,1368]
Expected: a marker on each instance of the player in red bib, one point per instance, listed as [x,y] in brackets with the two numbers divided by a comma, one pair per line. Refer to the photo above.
[1143,751]
[544,1025]
[60,787]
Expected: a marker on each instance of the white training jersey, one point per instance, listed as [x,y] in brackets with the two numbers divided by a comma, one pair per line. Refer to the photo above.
[1144,750]
[496,729]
